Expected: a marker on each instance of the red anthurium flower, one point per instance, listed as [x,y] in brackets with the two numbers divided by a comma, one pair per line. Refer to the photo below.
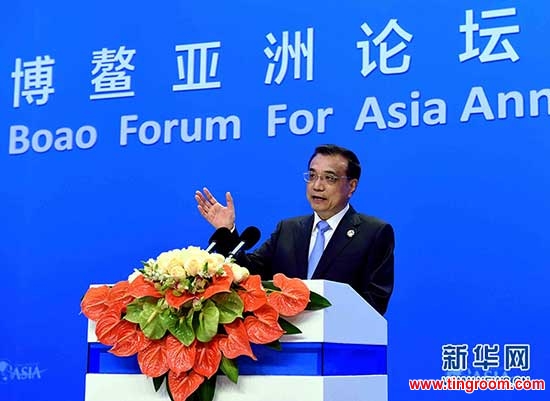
[106,324]
[175,301]
[142,288]
[119,295]
[182,385]
[130,339]
[180,357]
[93,304]
[219,284]
[253,295]
[236,343]
[152,360]
[292,299]
[208,358]
[263,327]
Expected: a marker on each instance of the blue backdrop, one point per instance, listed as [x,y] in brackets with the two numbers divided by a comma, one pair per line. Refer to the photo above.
[114,113]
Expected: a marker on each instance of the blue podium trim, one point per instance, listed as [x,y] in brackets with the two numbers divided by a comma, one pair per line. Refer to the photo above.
[294,359]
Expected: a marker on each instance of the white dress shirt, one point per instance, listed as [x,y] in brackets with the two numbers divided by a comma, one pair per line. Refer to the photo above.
[332,222]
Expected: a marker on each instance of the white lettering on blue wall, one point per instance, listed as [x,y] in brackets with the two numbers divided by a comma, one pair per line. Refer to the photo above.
[43,140]
[300,122]
[399,114]
[506,104]
[150,132]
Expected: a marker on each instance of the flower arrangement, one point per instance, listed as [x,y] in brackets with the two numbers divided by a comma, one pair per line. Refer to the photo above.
[188,314]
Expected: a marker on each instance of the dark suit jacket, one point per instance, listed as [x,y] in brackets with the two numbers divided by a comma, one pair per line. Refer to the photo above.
[359,253]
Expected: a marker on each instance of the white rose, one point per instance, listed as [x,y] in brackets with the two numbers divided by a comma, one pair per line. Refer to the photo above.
[215,262]
[166,260]
[177,271]
[178,257]
[195,252]
[215,258]
[239,273]
[193,267]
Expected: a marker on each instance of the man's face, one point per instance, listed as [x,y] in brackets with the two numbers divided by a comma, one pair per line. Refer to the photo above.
[328,198]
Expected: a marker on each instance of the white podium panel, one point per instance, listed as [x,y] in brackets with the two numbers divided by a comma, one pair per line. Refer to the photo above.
[107,387]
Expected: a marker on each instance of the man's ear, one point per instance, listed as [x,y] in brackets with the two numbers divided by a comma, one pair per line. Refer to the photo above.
[353,186]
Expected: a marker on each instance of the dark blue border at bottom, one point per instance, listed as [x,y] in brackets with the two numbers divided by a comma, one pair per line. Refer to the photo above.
[294,359]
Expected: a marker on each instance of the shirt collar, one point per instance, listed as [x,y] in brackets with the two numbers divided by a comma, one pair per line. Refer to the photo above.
[334,220]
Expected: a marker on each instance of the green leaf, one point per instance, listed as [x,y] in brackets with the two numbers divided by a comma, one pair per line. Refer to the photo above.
[230,306]
[288,327]
[268,285]
[151,323]
[230,369]
[207,389]
[157,381]
[317,302]
[194,396]
[181,327]
[190,316]
[150,314]
[276,345]
[208,320]
[134,311]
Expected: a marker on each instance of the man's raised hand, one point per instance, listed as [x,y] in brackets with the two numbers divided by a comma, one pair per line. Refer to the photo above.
[213,211]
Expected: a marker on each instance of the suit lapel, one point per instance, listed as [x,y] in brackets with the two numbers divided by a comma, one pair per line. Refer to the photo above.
[303,236]
[344,234]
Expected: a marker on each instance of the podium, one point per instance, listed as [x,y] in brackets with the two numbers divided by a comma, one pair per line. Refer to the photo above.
[341,354]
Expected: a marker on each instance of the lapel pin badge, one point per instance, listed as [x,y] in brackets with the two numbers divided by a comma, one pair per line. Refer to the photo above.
[350,233]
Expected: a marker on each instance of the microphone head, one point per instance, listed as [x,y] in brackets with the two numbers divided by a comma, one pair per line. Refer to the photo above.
[222,234]
[250,236]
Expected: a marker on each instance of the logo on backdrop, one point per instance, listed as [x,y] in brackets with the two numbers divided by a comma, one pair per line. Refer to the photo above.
[485,359]
[19,372]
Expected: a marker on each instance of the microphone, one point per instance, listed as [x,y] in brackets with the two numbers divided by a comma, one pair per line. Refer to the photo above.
[248,239]
[221,235]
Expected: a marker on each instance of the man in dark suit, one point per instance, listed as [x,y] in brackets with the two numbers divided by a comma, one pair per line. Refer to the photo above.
[335,243]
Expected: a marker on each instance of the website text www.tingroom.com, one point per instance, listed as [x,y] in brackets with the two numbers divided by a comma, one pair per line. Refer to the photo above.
[478,383]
